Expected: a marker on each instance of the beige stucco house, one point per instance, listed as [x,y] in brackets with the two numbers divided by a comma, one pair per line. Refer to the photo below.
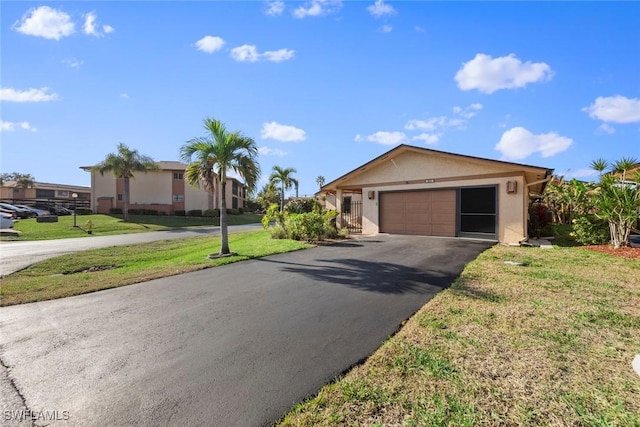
[413,190]
[163,190]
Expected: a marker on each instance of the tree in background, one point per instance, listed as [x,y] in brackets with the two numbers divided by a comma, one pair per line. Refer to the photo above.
[284,177]
[617,198]
[268,195]
[320,181]
[211,158]
[22,180]
[123,164]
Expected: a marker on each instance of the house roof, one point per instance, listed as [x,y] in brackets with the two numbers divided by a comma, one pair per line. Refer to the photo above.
[534,174]
[51,186]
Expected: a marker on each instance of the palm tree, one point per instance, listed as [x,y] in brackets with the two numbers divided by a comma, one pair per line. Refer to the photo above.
[123,164]
[285,179]
[211,157]
[320,181]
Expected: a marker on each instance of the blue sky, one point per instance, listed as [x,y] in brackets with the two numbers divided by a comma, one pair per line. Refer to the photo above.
[322,86]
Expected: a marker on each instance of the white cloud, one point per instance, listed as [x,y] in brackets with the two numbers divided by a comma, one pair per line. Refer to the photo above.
[607,128]
[469,111]
[428,138]
[275,8]
[358,138]
[507,72]
[245,53]
[210,44]
[46,22]
[285,133]
[278,55]
[430,124]
[125,96]
[249,53]
[73,62]
[616,109]
[380,8]
[388,138]
[385,29]
[30,95]
[91,27]
[317,8]
[518,143]
[6,126]
[267,151]
[419,29]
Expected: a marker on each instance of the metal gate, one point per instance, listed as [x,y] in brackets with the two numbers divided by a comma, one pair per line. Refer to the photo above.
[352,216]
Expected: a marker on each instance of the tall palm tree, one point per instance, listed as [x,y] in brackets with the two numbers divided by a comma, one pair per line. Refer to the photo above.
[123,164]
[24,180]
[211,157]
[320,181]
[285,179]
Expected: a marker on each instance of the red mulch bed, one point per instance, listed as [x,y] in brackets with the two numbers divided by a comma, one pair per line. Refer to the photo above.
[633,253]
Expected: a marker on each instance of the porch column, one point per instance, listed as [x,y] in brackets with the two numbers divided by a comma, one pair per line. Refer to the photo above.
[339,208]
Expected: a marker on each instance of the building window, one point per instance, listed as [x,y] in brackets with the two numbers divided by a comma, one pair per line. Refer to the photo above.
[119,196]
[178,197]
[234,203]
[177,175]
[234,188]
[63,194]
[45,193]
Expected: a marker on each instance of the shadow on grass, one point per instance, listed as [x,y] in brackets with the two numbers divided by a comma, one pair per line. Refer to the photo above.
[465,289]
[380,277]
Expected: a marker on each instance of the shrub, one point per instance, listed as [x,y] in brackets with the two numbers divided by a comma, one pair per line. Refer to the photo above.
[179,213]
[241,211]
[277,232]
[233,211]
[194,212]
[83,211]
[212,213]
[273,214]
[149,212]
[115,211]
[302,206]
[589,230]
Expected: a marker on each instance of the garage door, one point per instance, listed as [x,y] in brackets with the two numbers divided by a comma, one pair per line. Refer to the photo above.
[428,213]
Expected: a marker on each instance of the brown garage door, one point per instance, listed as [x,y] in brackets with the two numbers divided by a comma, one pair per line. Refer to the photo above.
[428,213]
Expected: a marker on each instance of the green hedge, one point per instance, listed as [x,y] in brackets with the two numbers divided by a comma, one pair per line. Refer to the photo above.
[212,213]
[195,212]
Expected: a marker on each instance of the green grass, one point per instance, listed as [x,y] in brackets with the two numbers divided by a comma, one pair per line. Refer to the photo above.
[104,225]
[105,268]
[548,343]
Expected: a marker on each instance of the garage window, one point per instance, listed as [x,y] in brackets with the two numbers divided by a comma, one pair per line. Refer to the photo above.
[478,212]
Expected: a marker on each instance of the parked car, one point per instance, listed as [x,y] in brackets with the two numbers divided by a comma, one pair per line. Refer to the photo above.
[20,212]
[5,223]
[38,212]
[8,214]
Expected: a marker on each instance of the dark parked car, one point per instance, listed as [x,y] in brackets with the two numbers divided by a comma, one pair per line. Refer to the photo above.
[38,212]
[20,212]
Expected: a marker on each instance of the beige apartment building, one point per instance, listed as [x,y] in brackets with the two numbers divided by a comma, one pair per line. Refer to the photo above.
[163,190]
[43,192]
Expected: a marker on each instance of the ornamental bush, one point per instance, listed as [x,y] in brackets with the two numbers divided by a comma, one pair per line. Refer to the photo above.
[590,230]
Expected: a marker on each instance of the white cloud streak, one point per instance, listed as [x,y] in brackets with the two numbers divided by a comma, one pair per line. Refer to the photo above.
[46,22]
[518,143]
[250,53]
[428,138]
[607,128]
[317,8]
[615,109]
[92,28]
[30,95]
[380,8]
[6,126]
[387,138]
[268,151]
[284,133]
[488,75]
[275,8]
[385,28]
[210,44]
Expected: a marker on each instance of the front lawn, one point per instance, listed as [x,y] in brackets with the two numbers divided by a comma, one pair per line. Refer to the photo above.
[104,225]
[549,342]
[105,268]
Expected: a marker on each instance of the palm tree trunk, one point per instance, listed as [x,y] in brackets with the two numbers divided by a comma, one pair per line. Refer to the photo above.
[282,199]
[125,212]
[224,236]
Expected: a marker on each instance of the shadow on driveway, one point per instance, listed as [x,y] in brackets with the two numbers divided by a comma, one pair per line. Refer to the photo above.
[382,277]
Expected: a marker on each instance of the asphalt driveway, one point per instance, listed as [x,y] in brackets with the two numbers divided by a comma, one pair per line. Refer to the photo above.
[233,345]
